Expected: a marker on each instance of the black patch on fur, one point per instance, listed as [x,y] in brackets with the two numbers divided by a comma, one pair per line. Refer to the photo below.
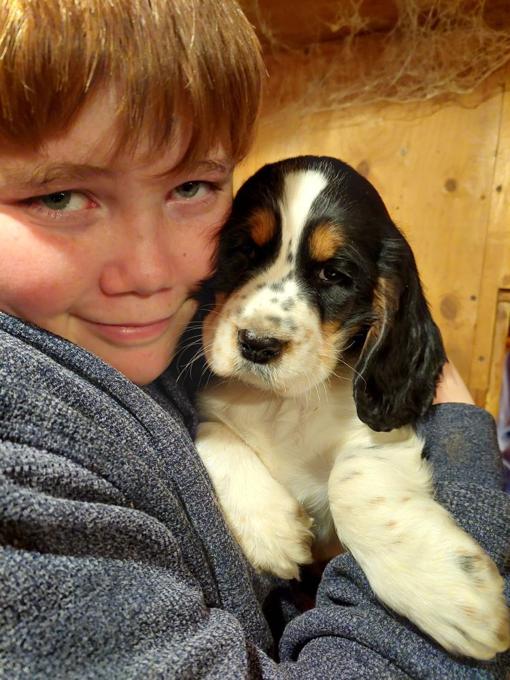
[468,563]
[274,319]
[238,257]
[288,304]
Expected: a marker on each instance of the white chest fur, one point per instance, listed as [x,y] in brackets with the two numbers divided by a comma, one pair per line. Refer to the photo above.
[299,439]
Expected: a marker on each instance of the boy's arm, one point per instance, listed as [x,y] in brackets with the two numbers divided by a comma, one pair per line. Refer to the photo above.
[92,588]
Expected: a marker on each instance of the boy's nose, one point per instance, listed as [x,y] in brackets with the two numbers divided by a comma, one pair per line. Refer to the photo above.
[138,261]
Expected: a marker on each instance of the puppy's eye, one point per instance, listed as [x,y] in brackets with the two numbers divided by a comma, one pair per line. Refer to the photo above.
[247,248]
[330,275]
[244,249]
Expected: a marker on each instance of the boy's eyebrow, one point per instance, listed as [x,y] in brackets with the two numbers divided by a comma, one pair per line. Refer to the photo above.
[209,165]
[44,174]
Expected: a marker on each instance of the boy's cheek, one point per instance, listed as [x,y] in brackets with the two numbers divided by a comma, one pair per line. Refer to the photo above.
[199,264]
[32,288]
[38,273]
[197,256]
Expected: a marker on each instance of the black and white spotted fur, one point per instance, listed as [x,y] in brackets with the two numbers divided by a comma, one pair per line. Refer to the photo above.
[328,355]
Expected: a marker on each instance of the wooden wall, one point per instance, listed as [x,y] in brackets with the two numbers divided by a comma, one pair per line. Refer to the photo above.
[444,172]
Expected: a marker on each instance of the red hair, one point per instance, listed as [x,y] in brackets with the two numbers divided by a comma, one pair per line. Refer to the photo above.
[165,58]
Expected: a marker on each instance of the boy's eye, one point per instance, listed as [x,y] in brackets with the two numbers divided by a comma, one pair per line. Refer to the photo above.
[191,189]
[60,201]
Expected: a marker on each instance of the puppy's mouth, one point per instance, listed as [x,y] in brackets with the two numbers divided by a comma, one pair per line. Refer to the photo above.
[255,343]
[259,359]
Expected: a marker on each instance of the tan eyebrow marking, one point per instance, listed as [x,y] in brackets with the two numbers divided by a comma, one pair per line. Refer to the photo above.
[384,304]
[385,299]
[324,242]
[262,225]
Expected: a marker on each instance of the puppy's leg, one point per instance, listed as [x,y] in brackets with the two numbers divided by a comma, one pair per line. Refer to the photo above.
[416,558]
[271,527]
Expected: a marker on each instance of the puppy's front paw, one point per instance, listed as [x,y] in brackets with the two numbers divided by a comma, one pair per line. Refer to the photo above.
[276,537]
[474,619]
[269,524]
[454,594]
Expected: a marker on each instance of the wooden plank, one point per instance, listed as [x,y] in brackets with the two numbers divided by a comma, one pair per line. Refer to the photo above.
[496,268]
[499,351]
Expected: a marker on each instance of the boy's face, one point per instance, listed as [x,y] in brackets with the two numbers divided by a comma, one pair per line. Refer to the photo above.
[106,252]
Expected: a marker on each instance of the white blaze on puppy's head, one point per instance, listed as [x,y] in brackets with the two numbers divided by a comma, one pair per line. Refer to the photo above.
[269,332]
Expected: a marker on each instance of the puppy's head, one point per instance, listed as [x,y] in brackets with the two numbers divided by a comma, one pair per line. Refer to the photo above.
[312,273]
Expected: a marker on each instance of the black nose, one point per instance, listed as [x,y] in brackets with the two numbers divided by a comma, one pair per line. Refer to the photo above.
[258,348]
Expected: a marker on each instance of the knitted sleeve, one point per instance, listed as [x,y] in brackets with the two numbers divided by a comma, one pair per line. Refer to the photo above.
[91,587]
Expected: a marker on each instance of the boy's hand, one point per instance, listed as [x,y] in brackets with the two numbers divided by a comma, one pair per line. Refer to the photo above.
[451,387]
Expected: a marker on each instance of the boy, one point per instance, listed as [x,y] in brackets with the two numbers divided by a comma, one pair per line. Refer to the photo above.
[120,124]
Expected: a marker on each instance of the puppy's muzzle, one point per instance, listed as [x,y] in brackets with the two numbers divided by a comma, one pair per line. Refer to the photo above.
[260,349]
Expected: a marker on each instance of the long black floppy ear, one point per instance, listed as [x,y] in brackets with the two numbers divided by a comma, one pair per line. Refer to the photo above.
[403,353]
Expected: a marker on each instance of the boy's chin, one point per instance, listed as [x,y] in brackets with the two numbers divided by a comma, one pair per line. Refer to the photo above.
[144,375]
[140,366]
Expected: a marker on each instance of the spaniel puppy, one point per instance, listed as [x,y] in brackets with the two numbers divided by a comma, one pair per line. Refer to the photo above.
[328,355]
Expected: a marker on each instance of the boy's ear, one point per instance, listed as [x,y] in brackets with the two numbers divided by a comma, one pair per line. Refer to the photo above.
[403,353]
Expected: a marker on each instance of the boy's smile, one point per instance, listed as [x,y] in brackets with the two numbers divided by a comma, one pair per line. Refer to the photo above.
[131,333]
[105,250]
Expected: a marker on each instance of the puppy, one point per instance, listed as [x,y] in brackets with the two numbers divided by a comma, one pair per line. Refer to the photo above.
[328,355]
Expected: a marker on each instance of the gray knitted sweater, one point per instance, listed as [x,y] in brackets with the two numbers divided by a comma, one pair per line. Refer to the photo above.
[116,563]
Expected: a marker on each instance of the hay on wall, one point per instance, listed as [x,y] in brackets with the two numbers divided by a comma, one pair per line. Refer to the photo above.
[434,48]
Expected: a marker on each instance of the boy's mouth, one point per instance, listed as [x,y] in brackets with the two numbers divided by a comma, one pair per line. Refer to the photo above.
[130,333]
